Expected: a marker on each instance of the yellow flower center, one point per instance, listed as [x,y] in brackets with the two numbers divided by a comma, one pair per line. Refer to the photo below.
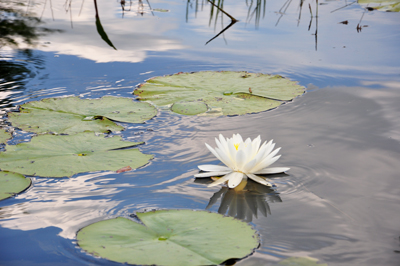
[236,146]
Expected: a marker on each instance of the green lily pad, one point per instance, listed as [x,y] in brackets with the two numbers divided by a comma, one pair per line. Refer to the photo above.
[66,155]
[170,237]
[383,5]
[225,92]
[4,135]
[189,108]
[301,261]
[12,183]
[71,115]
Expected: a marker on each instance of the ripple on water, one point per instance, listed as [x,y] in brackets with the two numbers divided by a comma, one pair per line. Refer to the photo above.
[66,203]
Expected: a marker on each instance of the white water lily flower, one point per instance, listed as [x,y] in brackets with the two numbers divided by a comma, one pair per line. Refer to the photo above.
[242,159]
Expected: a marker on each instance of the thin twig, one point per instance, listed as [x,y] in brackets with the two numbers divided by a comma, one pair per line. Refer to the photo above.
[358,25]
[44,7]
[232,18]
[230,25]
[286,5]
[80,10]
[343,6]
[301,7]
[150,7]
[51,8]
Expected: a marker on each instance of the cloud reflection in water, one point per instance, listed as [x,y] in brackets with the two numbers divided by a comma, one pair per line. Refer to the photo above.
[68,204]
[133,37]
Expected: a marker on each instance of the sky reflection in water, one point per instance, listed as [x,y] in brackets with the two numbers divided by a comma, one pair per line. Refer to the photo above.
[287,46]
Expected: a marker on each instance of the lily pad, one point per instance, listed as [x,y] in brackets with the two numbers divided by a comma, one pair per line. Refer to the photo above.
[225,92]
[66,155]
[383,5]
[71,115]
[12,183]
[189,108]
[170,237]
[4,135]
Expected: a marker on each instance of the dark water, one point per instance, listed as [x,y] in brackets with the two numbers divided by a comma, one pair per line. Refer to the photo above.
[340,201]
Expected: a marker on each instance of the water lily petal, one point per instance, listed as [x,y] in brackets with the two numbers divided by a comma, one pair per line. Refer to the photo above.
[232,152]
[211,167]
[260,152]
[260,180]
[264,152]
[272,170]
[216,154]
[272,160]
[220,180]
[225,158]
[248,150]
[256,145]
[247,142]
[209,174]
[267,161]
[248,167]
[272,154]
[213,151]
[237,138]
[267,149]
[240,160]
[224,143]
[235,179]
[221,146]
[263,145]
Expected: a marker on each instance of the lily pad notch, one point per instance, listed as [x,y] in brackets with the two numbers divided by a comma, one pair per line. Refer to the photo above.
[170,238]
[218,93]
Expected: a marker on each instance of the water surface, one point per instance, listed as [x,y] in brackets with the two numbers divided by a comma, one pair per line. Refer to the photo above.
[339,202]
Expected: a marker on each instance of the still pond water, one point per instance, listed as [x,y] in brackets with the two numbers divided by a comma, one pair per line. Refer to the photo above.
[340,201]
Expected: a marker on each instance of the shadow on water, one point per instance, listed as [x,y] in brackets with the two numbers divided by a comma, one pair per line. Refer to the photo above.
[100,29]
[245,201]
[19,27]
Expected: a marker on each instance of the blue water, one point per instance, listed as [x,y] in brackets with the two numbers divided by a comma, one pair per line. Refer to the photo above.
[340,200]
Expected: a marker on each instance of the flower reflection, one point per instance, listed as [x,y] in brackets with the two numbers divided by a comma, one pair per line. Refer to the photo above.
[246,200]
[242,159]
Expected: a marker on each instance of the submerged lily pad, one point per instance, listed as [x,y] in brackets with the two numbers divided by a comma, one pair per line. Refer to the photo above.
[4,135]
[301,261]
[66,155]
[12,183]
[225,92]
[160,10]
[170,237]
[383,5]
[71,115]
